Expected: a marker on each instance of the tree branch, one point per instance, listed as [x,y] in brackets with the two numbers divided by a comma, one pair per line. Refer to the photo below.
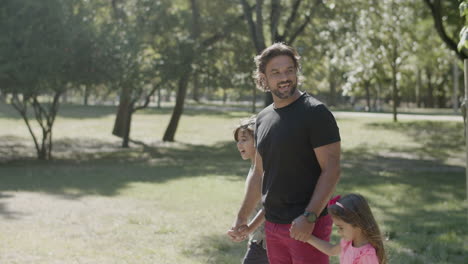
[274,20]
[293,15]
[21,107]
[259,24]
[224,31]
[436,10]
[251,24]
[301,28]
[147,98]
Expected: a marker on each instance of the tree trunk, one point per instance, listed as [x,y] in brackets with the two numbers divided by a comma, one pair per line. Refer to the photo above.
[85,95]
[128,125]
[159,98]
[224,96]
[2,97]
[456,76]
[44,151]
[430,90]
[368,95]
[332,82]
[21,106]
[394,91]
[441,97]
[179,106]
[465,120]
[418,88]
[168,96]
[124,112]
[49,144]
[196,88]
[441,93]
[254,99]
[379,101]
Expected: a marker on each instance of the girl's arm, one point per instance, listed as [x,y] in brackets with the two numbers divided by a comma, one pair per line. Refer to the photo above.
[324,246]
[245,230]
[255,222]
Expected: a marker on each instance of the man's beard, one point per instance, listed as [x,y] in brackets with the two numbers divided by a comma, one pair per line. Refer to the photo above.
[280,95]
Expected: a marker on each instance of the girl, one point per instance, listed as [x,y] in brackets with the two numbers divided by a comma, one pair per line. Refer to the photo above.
[361,241]
[256,252]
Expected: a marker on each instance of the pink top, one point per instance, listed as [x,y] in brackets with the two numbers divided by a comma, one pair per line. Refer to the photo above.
[361,255]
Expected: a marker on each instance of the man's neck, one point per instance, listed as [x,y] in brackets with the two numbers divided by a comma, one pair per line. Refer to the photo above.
[280,103]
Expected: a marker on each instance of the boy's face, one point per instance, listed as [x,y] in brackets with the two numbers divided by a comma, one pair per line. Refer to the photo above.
[245,145]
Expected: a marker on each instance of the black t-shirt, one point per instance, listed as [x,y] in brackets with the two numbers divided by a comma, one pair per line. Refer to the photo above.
[286,138]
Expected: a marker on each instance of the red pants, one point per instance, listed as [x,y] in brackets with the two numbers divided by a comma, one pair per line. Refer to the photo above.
[282,249]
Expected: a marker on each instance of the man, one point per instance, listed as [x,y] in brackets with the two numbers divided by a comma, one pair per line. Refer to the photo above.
[297,163]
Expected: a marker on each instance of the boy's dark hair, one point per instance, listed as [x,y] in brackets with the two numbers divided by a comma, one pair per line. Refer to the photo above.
[246,125]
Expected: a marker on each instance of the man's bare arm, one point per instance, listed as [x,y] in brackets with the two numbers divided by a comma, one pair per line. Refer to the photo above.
[252,196]
[328,157]
[253,189]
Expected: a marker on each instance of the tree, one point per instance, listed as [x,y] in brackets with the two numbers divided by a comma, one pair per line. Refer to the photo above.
[445,17]
[463,45]
[356,46]
[198,34]
[135,66]
[292,23]
[45,49]
[396,22]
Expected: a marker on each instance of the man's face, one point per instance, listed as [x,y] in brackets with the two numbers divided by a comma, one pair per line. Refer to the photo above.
[281,77]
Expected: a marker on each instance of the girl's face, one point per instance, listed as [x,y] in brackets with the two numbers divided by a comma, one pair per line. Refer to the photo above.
[346,231]
[245,145]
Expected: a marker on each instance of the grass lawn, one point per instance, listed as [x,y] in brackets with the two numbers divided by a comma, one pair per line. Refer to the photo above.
[172,202]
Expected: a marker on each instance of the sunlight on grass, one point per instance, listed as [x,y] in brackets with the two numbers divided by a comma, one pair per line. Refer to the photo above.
[173,202]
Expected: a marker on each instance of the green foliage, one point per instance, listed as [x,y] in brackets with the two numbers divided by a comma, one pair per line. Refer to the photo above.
[463,43]
[44,46]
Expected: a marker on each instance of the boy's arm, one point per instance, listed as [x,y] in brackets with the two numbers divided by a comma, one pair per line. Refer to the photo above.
[244,231]
[258,220]
[324,246]
[255,223]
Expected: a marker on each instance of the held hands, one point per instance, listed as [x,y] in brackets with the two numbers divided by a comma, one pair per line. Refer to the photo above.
[301,229]
[240,231]
[239,234]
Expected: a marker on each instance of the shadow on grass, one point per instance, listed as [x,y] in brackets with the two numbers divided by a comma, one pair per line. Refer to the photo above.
[6,213]
[421,201]
[438,139]
[216,249]
[105,173]
[419,195]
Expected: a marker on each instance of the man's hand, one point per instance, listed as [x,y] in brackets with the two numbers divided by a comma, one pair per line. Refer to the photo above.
[301,229]
[238,234]
[236,231]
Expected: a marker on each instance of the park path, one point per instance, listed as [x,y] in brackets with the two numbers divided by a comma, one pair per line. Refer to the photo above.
[342,114]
